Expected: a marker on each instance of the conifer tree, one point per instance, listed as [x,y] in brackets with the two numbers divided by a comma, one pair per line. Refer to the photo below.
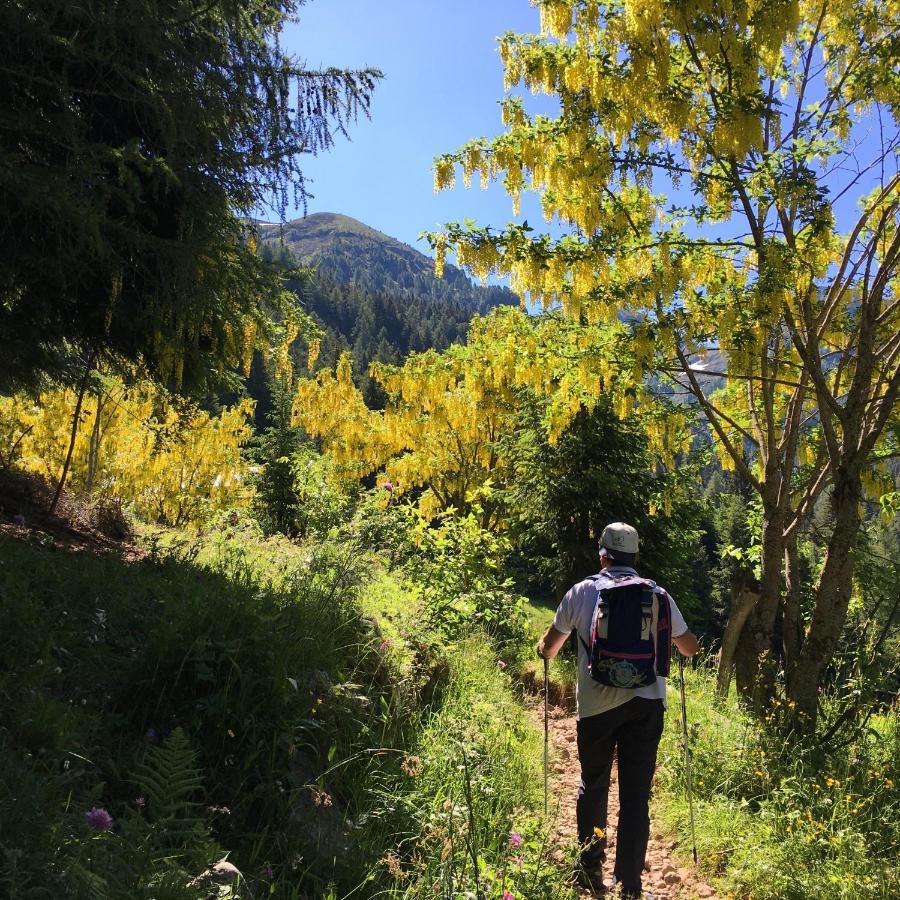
[135,139]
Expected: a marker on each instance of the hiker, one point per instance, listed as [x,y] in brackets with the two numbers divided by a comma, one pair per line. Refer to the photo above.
[625,719]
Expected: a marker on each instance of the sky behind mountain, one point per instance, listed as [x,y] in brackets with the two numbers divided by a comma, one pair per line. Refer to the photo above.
[443,80]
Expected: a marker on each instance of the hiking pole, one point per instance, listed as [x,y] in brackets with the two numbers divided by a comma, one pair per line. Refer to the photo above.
[546,728]
[687,755]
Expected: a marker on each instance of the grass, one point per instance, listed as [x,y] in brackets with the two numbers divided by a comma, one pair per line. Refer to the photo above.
[776,820]
[316,734]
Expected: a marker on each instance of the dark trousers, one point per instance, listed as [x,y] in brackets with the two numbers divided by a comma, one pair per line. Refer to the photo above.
[633,731]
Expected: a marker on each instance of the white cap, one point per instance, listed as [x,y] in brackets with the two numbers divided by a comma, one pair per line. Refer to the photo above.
[618,537]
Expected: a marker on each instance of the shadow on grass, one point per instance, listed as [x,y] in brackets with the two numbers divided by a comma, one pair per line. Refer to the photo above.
[271,685]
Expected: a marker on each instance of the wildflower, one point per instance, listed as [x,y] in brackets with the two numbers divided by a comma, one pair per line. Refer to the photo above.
[508,896]
[501,665]
[387,486]
[392,863]
[270,874]
[599,832]
[412,765]
[515,839]
[19,519]
[152,734]
[98,819]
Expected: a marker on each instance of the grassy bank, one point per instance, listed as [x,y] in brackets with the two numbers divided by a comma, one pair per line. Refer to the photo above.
[260,699]
[775,820]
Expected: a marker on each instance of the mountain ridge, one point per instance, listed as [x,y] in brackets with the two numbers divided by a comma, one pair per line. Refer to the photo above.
[349,251]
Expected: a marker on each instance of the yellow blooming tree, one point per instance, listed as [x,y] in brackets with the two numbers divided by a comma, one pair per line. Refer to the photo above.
[704,165]
[171,462]
[447,413]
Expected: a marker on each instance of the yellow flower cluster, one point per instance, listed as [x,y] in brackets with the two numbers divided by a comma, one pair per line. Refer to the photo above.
[170,463]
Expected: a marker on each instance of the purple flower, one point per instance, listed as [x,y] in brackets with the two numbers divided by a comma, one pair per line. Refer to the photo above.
[98,819]
[270,874]
[387,486]
[19,519]
[515,840]
[152,734]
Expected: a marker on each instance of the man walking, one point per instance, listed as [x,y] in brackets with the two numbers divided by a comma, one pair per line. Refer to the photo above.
[627,720]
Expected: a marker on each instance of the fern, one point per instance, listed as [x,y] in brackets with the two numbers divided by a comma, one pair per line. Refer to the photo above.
[170,782]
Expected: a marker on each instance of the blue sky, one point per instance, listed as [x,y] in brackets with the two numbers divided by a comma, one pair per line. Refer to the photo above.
[443,79]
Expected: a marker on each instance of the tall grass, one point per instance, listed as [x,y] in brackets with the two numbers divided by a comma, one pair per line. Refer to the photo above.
[318,736]
[462,814]
[778,819]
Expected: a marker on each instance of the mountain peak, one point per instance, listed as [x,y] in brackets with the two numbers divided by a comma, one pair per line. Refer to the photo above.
[351,252]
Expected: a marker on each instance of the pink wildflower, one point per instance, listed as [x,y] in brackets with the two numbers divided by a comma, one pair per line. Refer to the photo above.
[501,665]
[387,486]
[98,819]
[507,895]
[515,840]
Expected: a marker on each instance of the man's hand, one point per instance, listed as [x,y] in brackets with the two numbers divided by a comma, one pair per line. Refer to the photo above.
[687,644]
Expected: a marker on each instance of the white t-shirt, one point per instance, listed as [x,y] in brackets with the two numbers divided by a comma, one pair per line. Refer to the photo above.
[575,612]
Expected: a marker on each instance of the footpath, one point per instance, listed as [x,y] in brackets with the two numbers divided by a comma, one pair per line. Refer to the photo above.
[668,879]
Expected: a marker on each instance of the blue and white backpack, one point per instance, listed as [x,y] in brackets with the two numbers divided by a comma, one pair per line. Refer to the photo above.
[631,633]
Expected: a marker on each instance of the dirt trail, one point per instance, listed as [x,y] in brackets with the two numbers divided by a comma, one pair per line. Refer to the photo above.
[667,879]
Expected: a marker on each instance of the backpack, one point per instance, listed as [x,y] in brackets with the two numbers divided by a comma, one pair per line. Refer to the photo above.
[631,633]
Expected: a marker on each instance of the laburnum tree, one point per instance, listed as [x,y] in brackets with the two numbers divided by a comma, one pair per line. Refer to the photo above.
[725,175]
[448,415]
[136,138]
[161,456]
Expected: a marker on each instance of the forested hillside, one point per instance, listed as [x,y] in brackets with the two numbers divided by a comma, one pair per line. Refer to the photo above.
[350,252]
[369,294]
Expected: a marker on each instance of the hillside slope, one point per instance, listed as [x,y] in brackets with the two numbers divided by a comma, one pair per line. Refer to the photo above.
[350,252]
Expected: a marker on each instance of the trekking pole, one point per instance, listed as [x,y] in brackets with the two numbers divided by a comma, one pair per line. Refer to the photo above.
[687,755]
[546,728]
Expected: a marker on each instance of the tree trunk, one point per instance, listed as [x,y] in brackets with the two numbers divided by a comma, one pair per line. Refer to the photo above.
[94,448]
[833,593]
[744,596]
[75,422]
[754,665]
[791,612]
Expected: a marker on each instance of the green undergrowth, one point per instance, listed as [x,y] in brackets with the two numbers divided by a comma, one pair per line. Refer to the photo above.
[276,703]
[780,820]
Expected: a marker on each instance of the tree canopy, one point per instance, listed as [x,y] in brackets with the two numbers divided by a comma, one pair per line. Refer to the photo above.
[135,138]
